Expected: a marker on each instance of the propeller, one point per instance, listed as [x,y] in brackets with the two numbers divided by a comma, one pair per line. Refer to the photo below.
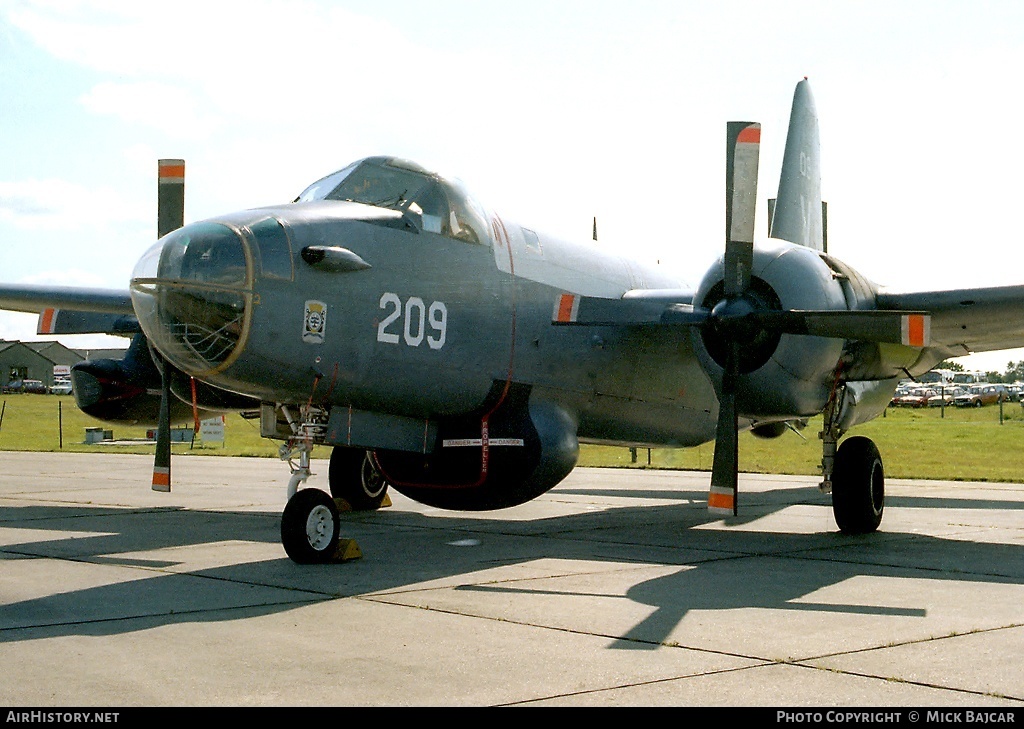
[743,144]
[748,320]
[170,216]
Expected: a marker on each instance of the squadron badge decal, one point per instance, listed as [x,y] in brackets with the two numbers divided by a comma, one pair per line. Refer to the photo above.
[314,324]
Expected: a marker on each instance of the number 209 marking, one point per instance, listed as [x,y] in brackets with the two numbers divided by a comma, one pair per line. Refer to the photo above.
[417,317]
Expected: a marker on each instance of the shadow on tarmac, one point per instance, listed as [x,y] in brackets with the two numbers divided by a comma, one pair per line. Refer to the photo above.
[405,549]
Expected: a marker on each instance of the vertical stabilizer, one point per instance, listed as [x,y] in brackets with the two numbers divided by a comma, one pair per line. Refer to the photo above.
[797,216]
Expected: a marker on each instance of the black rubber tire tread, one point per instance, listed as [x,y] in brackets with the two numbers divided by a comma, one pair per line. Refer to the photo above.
[858,486]
[293,527]
[346,478]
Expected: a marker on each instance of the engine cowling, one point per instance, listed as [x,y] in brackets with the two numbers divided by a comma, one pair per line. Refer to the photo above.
[781,375]
[121,391]
[127,391]
[531,446]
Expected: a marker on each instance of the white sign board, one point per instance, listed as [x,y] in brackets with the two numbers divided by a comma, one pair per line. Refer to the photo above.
[211,430]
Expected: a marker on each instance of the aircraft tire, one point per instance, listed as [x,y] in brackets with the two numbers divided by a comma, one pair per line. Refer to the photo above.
[310,526]
[354,477]
[858,486]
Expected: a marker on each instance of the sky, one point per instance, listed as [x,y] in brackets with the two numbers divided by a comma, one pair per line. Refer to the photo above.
[553,112]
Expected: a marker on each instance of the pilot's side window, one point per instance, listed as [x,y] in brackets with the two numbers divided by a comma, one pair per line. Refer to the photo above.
[433,207]
[274,252]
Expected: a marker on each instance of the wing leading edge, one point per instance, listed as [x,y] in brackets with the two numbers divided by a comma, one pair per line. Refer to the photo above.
[961,321]
[73,310]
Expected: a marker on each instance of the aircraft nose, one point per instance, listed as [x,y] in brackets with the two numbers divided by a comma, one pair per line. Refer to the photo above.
[192,295]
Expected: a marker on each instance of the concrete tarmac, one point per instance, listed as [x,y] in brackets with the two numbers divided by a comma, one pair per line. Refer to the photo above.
[617,588]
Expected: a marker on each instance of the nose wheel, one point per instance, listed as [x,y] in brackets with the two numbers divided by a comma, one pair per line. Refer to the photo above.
[309,527]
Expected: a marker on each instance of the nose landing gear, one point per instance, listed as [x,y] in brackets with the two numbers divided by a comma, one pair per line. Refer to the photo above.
[310,522]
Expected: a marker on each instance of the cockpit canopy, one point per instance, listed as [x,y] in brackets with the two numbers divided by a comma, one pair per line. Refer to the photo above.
[443,206]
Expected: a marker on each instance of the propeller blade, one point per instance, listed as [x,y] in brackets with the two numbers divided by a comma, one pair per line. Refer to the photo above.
[170,196]
[912,328]
[170,215]
[162,461]
[722,499]
[743,145]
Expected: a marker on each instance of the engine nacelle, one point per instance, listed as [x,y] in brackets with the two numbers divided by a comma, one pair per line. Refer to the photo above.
[127,391]
[782,374]
[531,447]
[122,391]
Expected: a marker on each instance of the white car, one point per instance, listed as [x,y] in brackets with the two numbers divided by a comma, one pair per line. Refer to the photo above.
[61,387]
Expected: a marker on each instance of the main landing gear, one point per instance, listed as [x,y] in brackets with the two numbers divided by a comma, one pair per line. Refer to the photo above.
[854,475]
[858,486]
[354,477]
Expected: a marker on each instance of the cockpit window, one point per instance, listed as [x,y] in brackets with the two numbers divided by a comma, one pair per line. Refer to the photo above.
[440,205]
[321,188]
[274,252]
[203,253]
[379,185]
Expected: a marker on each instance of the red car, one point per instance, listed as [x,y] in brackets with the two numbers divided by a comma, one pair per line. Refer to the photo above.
[915,398]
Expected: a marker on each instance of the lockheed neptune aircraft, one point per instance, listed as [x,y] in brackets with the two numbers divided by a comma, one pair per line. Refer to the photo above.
[461,358]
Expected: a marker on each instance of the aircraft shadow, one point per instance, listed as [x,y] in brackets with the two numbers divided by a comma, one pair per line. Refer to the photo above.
[406,550]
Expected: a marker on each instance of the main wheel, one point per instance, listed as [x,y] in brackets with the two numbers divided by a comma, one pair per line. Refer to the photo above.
[309,527]
[858,486]
[354,478]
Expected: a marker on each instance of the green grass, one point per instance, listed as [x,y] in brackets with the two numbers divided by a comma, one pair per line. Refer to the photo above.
[36,423]
[967,444]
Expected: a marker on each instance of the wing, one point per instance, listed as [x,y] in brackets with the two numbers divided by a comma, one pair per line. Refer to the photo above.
[639,306]
[73,310]
[966,320]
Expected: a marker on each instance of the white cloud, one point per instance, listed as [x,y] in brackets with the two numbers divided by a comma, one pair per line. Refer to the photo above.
[171,109]
[62,205]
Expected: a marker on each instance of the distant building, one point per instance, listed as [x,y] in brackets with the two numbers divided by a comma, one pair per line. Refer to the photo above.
[36,360]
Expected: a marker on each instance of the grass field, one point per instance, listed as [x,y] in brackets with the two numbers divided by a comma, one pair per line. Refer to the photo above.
[967,444]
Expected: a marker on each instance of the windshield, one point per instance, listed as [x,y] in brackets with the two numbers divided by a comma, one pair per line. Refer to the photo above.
[442,206]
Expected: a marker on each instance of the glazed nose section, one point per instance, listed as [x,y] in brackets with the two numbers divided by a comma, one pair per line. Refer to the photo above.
[192,295]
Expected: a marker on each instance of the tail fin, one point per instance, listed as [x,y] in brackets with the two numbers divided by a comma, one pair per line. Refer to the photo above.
[798,214]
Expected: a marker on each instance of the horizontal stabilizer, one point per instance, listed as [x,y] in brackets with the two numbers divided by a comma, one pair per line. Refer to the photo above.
[66,321]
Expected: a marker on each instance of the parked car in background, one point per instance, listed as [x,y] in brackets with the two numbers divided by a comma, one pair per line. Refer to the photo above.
[944,397]
[61,387]
[916,398]
[984,394]
[33,386]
